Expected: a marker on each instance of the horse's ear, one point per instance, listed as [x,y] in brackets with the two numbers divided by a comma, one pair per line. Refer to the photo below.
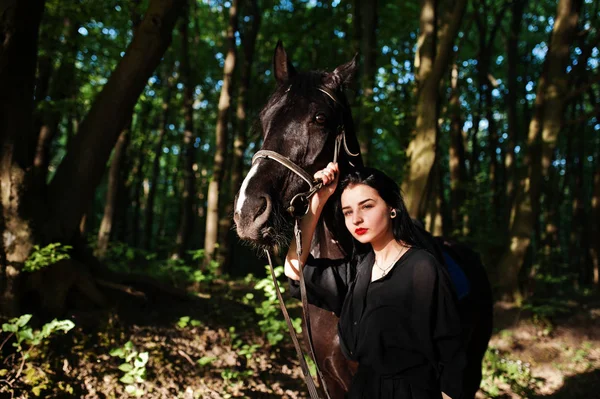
[282,67]
[342,76]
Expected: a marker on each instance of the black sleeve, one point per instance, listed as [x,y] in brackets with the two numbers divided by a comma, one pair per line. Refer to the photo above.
[437,320]
[326,283]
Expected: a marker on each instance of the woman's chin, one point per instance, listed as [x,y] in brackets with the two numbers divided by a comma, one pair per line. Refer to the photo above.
[364,239]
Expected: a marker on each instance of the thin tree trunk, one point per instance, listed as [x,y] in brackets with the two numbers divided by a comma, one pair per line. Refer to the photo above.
[431,66]
[577,249]
[45,71]
[543,129]
[75,181]
[19,26]
[514,127]
[214,187]
[170,176]
[158,150]
[240,138]
[138,173]
[62,88]
[368,47]
[112,193]
[458,169]
[595,224]
[186,222]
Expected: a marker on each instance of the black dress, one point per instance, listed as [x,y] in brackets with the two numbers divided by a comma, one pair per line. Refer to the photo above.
[403,329]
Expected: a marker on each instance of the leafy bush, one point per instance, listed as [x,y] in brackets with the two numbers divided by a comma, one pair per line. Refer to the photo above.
[501,370]
[22,370]
[46,256]
[134,368]
[273,324]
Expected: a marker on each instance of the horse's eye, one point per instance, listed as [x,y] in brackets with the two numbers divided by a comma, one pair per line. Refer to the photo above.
[321,119]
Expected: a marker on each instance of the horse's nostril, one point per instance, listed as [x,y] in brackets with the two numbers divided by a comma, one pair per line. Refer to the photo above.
[262,214]
[263,207]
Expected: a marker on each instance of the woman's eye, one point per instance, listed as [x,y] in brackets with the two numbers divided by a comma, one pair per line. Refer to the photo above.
[346,214]
[321,119]
[367,206]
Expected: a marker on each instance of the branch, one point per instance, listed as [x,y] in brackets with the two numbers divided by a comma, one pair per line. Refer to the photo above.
[74,184]
[446,44]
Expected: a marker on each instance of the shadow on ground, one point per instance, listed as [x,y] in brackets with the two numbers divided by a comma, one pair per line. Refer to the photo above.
[579,386]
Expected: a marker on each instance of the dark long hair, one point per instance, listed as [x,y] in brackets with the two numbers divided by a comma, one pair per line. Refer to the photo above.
[403,227]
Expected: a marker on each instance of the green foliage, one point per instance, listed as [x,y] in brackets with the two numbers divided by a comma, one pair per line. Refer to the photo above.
[243,349]
[205,360]
[498,369]
[273,324]
[133,367]
[26,335]
[184,321]
[230,375]
[46,256]
[22,370]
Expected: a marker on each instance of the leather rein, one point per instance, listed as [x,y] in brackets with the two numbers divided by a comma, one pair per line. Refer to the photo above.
[298,207]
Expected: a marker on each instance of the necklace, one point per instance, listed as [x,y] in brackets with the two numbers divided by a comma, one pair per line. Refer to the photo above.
[385,270]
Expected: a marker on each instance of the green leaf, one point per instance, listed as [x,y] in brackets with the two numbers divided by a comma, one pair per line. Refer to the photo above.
[117,352]
[141,360]
[203,361]
[125,367]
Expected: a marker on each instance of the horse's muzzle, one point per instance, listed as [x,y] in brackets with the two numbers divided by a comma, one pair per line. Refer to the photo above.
[252,217]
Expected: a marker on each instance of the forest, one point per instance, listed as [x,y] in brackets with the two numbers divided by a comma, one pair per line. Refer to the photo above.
[126,130]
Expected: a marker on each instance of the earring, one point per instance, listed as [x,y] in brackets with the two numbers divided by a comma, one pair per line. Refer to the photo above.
[393,213]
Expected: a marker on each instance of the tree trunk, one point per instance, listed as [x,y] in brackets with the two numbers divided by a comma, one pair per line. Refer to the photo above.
[62,88]
[19,27]
[578,251]
[186,222]
[138,173]
[170,176]
[514,127]
[248,40]
[595,225]
[75,181]
[112,193]
[431,67]
[458,169]
[368,47]
[214,187]
[543,129]
[158,150]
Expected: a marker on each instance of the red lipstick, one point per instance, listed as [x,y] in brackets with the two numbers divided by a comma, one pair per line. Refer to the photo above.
[360,231]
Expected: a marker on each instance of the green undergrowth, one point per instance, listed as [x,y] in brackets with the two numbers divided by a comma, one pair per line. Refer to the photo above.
[502,373]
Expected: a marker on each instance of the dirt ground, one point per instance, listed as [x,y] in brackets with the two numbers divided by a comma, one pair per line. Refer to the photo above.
[562,353]
[562,356]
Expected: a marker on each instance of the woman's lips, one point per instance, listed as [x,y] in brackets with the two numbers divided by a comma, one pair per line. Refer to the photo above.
[361,231]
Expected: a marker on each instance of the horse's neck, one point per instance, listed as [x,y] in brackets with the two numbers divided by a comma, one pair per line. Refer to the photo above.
[323,244]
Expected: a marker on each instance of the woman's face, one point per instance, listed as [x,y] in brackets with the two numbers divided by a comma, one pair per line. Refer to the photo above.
[366,214]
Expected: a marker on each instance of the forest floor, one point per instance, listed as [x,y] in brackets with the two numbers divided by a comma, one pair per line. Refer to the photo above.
[210,346]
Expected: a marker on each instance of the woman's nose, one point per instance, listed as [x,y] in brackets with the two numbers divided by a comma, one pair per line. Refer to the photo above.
[356,219]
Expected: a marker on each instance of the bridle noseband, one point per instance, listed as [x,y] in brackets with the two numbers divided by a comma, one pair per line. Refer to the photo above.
[298,206]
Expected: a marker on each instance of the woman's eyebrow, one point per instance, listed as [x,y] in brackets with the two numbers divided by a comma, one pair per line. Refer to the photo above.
[360,203]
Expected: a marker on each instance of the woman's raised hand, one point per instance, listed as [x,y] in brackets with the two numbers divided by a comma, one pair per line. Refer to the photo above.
[330,177]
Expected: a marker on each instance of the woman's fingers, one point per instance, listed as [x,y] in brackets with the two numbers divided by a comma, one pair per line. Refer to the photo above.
[328,174]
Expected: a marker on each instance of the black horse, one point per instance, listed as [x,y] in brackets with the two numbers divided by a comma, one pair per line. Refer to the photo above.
[302,121]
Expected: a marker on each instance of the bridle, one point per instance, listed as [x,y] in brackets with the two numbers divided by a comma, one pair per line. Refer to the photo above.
[314,186]
[298,207]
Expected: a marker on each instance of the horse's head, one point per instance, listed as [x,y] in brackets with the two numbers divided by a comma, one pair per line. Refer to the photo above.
[301,121]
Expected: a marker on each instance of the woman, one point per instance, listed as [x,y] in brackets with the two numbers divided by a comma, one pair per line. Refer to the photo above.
[397,308]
